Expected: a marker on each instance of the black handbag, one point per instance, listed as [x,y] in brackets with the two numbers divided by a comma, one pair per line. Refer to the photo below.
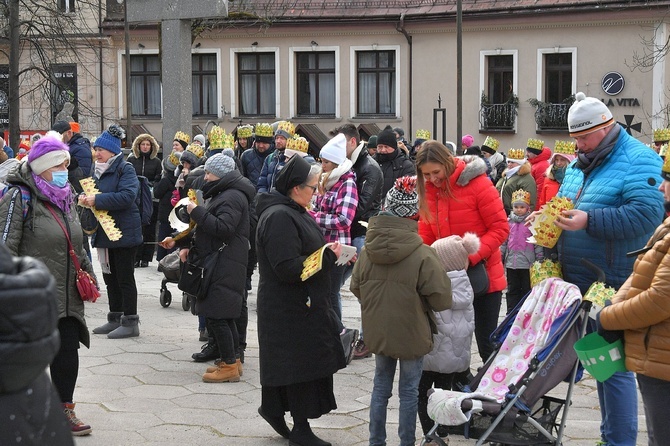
[196,274]
[87,219]
[479,278]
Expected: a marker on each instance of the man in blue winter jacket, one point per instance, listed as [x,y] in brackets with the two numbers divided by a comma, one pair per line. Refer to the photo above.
[613,184]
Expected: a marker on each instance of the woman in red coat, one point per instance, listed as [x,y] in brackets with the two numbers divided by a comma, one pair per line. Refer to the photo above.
[564,154]
[455,197]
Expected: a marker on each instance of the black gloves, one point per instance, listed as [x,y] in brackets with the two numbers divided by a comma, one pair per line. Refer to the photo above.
[611,336]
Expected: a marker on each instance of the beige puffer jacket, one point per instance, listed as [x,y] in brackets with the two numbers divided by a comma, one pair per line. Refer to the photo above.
[641,307]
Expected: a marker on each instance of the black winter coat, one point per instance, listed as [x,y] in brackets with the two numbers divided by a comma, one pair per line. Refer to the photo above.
[252,163]
[394,165]
[369,182]
[223,219]
[298,332]
[147,166]
[163,193]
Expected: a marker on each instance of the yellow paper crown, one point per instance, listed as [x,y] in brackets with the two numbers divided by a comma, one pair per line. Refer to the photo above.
[297,143]
[521,195]
[598,293]
[661,135]
[265,130]
[666,164]
[181,136]
[535,144]
[564,147]
[196,150]
[215,137]
[663,151]
[515,154]
[492,143]
[543,270]
[545,232]
[174,159]
[286,126]
[244,131]
[422,134]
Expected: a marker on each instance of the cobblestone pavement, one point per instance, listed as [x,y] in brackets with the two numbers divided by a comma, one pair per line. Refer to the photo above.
[148,391]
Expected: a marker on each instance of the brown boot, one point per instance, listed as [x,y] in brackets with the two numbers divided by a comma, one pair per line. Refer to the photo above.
[223,373]
[218,361]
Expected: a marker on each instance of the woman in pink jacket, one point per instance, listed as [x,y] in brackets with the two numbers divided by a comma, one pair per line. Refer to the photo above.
[455,197]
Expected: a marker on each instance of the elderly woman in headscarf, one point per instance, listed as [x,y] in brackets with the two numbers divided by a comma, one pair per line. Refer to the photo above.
[300,348]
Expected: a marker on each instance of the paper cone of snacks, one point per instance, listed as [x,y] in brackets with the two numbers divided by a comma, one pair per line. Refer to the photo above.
[597,294]
[104,219]
[543,270]
[545,232]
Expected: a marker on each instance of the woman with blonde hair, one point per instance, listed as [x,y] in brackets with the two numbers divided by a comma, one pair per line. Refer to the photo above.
[455,197]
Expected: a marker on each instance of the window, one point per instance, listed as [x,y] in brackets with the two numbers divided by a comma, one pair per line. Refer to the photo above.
[499,101]
[501,79]
[316,83]
[555,84]
[256,74]
[64,97]
[66,5]
[557,77]
[375,75]
[145,85]
[204,85]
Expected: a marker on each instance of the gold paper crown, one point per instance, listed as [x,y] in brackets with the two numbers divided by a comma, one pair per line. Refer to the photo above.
[215,137]
[244,131]
[661,135]
[543,270]
[286,126]
[196,150]
[492,143]
[297,143]
[265,130]
[666,164]
[535,144]
[521,195]
[598,293]
[515,154]
[663,151]
[564,147]
[174,159]
[422,134]
[181,136]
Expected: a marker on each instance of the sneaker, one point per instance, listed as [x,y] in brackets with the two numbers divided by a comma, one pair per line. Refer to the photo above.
[76,426]
[361,350]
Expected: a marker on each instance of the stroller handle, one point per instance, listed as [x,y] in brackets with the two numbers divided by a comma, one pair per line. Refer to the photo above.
[598,271]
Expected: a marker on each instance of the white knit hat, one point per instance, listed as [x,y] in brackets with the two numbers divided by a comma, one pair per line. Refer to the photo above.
[453,251]
[587,115]
[335,150]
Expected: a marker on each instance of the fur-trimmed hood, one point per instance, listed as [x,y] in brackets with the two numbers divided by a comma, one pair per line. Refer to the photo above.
[474,166]
[139,139]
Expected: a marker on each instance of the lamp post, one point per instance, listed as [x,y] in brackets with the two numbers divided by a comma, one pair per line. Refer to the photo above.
[126,39]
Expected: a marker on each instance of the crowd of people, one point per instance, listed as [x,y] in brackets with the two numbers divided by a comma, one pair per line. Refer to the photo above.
[418,216]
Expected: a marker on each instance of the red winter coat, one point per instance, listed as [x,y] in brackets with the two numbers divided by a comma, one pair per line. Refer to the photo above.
[539,166]
[549,189]
[476,207]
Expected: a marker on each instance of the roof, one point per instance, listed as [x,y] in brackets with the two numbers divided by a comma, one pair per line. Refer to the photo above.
[314,135]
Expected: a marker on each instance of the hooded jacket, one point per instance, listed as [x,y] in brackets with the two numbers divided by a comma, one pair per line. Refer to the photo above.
[522,179]
[334,211]
[298,334]
[369,182]
[81,160]
[475,207]
[549,188]
[399,282]
[641,307]
[147,165]
[538,170]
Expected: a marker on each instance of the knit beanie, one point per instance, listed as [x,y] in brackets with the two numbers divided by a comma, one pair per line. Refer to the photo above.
[171,162]
[402,199]
[295,172]
[335,150]
[473,150]
[285,129]
[588,115]
[219,165]
[110,139]
[61,126]
[387,137]
[47,152]
[534,146]
[372,142]
[453,251]
[467,140]
[200,138]
[75,127]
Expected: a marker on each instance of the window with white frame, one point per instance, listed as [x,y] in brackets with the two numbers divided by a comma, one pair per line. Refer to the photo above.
[499,102]
[145,85]
[376,83]
[66,5]
[315,83]
[256,84]
[555,86]
[204,85]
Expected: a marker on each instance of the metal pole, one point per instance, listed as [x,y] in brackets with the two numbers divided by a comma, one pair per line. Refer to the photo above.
[129,109]
[459,75]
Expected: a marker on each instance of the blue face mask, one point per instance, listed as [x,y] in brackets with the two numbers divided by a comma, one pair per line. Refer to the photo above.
[59,178]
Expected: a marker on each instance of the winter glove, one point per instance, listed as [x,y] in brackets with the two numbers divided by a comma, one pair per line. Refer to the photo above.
[611,336]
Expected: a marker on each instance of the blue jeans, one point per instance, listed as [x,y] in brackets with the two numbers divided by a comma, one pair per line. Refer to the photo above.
[408,393]
[358,243]
[618,409]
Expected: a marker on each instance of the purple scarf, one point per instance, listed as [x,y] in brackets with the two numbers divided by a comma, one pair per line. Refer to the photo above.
[60,196]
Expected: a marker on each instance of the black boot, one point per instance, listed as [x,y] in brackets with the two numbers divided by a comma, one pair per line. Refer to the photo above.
[209,352]
[302,435]
[277,423]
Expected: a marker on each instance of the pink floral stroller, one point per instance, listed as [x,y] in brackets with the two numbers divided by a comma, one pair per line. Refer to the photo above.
[534,354]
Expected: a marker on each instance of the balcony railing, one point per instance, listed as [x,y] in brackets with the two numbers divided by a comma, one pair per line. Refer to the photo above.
[497,116]
[551,116]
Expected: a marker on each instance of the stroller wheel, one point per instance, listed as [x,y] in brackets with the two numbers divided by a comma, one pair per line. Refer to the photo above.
[185,304]
[165,298]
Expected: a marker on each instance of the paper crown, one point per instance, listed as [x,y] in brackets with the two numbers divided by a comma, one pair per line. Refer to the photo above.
[286,126]
[521,196]
[516,154]
[564,147]
[181,136]
[661,135]
[297,143]
[663,151]
[422,134]
[543,270]
[244,131]
[666,166]
[195,149]
[535,144]
[265,130]
[598,293]
[492,143]
[174,159]
[219,139]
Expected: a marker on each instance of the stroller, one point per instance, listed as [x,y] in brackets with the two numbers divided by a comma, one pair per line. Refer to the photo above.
[506,403]
[170,267]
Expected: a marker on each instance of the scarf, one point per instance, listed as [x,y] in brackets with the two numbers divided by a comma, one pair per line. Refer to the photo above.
[60,196]
[511,172]
[336,173]
[586,162]
[558,173]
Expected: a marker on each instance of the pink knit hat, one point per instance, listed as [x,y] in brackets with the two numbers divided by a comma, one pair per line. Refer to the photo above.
[454,251]
[467,140]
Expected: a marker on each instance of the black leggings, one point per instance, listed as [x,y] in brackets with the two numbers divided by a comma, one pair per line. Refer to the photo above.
[65,365]
[487,309]
[224,332]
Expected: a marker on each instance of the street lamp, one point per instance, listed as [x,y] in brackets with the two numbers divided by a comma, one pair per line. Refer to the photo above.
[126,38]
